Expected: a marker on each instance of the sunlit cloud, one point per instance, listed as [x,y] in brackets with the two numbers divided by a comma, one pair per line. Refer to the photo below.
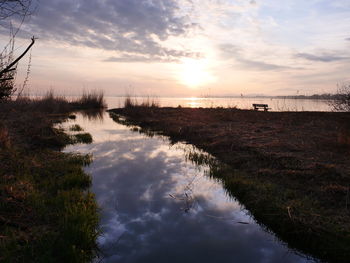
[168,47]
[321,57]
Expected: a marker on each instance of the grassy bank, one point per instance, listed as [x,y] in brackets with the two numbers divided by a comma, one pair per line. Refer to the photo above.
[47,213]
[290,169]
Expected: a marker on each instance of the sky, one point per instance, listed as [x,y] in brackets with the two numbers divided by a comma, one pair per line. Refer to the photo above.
[185,47]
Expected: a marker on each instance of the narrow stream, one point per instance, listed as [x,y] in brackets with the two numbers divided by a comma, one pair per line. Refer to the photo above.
[156,206]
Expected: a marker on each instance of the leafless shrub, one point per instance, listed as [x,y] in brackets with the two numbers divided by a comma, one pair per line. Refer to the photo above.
[13,14]
[9,8]
[341,100]
[7,88]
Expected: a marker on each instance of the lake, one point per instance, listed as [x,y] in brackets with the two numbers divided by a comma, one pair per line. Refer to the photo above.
[276,104]
[157,206]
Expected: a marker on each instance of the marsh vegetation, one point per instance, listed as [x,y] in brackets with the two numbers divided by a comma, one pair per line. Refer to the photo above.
[158,197]
[288,168]
[47,213]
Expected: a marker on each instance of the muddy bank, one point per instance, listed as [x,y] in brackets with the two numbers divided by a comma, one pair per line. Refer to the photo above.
[290,169]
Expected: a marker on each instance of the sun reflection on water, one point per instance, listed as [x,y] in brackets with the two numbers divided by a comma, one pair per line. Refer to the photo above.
[193,102]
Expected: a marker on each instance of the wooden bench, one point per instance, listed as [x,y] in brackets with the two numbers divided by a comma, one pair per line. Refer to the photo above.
[261,106]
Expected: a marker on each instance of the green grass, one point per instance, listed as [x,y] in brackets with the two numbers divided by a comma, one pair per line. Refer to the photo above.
[60,220]
[75,127]
[82,138]
[47,213]
[79,137]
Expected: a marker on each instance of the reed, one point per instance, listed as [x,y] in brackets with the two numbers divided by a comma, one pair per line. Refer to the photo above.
[148,102]
[90,100]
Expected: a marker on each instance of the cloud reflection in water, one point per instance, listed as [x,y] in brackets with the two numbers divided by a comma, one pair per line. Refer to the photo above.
[140,184]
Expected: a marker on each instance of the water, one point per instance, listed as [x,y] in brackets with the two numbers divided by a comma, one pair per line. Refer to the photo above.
[276,104]
[158,207]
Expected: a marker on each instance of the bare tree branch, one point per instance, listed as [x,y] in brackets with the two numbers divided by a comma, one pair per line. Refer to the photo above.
[342,98]
[18,10]
[8,68]
[9,8]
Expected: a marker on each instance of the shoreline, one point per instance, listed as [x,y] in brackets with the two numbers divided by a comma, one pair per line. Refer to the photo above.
[290,169]
[47,213]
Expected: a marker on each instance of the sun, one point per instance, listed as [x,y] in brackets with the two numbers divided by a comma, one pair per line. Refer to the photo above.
[194,73]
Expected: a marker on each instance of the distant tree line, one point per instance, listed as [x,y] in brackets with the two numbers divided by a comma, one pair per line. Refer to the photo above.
[340,101]
[324,96]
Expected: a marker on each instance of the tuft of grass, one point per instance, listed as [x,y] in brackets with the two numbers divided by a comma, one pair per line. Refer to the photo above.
[75,127]
[81,138]
[93,114]
[91,100]
[49,103]
[148,102]
[129,102]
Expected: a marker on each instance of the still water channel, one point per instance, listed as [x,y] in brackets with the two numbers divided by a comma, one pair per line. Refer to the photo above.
[156,206]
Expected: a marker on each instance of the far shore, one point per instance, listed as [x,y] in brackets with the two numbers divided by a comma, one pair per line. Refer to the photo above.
[290,169]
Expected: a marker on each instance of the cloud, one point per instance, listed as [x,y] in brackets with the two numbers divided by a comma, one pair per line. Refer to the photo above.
[125,58]
[253,2]
[260,65]
[237,54]
[145,58]
[320,58]
[347,39]
[132,26]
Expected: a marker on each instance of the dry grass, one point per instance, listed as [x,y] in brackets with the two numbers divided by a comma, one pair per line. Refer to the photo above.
[4,138]
[147,102]
[91,100]
[344,134]
[51,103]
[294,173]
